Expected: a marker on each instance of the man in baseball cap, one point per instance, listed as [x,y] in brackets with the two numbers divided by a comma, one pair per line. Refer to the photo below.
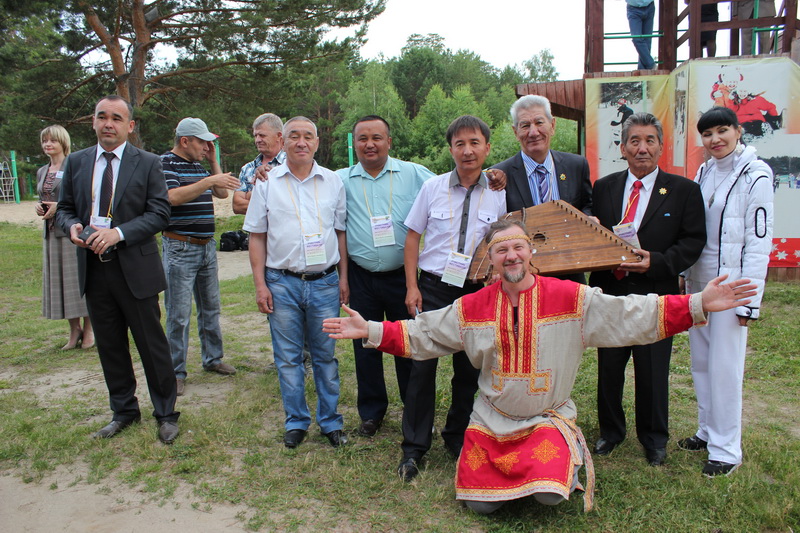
[190,255]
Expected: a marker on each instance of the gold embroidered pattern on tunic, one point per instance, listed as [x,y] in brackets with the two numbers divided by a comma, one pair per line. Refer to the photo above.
[406,340]
[662,317]
[506,462]
[545,452]
[477,457]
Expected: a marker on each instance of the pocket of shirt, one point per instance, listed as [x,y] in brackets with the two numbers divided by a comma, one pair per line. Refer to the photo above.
[487,217]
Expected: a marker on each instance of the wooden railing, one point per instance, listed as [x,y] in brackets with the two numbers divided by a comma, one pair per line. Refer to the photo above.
[669,19]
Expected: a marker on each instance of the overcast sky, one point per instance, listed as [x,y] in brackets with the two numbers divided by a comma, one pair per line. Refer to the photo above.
[505,32]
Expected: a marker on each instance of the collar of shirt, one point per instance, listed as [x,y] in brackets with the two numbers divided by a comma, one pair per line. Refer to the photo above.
[357,170]
[118,151]
[530,164]
[277,160]
[453,181]
[283,170]
[648,182]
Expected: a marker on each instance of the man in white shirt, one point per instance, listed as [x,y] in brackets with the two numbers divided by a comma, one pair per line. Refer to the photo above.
[454,211]
[296,221]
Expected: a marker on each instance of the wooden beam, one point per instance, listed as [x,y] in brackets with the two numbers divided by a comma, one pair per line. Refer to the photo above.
[668,26]
[595,29]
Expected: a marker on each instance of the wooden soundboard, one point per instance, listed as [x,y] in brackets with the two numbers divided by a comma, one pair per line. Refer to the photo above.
[564,241]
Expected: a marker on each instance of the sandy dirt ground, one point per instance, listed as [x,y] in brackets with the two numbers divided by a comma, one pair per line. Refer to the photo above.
[63,502]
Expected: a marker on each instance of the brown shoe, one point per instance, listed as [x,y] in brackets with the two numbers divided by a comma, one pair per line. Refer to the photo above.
[181,386]
[222,368]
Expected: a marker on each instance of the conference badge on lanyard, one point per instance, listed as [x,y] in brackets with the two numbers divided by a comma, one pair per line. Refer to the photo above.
[627,232]
[314,248]
[382,230]
[456,269]
[100,222]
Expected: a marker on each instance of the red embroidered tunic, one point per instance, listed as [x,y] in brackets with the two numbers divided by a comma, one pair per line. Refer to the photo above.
[527,375]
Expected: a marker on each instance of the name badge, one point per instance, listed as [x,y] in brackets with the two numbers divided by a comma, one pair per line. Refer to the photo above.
[314,248]
[627,233]
[100,222]
[382,230]
[59,174]
[456,269]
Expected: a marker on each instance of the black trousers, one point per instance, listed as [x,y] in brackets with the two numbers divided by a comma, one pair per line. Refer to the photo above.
[420,404]
[113,310]
[377,296]
[651,374]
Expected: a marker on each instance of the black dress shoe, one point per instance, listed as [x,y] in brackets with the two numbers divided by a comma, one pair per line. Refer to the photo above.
[369,427]
[604,447]
[693,444]
[408,469]
[718,468]
[336,438]
[168,431]
[655,456]
[294,437]
[114,427]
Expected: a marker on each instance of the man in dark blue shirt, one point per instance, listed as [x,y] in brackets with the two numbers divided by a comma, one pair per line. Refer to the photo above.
[190,255]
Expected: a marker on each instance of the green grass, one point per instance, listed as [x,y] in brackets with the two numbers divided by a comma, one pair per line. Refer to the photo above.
[230,449]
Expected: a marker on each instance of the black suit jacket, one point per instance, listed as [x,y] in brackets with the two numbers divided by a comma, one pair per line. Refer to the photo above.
[140,209]
[673,230]
[575,188]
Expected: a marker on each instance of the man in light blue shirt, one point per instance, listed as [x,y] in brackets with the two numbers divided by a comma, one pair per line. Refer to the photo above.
[380,192]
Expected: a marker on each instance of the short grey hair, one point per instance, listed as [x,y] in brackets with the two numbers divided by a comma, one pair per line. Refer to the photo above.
[642,119]
[270,119]
[527,102]
[286,129]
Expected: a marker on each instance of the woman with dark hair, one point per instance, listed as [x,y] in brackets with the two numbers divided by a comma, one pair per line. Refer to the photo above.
[738,193]
[61,296]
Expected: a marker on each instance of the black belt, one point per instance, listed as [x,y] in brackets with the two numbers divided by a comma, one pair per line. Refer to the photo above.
[310,276]
[423,274]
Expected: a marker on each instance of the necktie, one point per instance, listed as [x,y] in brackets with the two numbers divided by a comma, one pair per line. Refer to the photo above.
[107,186]
[544,185]
[633,203]
[630,214]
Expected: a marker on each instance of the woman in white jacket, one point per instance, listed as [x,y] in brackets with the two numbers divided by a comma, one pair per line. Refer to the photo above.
[738,193]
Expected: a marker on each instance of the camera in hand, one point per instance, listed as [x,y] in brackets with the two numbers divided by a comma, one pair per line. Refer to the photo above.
[87,231]
[45,207]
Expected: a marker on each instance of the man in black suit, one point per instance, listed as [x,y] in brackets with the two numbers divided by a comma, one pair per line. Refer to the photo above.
[538,174]
[663,217]
[120,192]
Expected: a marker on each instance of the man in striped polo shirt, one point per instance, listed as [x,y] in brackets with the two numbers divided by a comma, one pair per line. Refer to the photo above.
[189,248]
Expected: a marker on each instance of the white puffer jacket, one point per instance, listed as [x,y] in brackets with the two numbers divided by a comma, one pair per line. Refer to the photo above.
[746,225]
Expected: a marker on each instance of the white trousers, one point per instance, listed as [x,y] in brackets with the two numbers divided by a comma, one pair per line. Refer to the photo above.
[718,351]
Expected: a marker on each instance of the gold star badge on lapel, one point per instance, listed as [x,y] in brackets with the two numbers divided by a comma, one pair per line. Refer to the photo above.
[562,177]
[662,191]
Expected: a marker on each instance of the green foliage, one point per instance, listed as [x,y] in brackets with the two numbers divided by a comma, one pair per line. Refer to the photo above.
[540,67]
[250,57]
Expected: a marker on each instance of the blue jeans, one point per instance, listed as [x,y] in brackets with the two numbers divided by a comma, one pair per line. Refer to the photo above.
[192,269]
[299,309]
[640,21]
